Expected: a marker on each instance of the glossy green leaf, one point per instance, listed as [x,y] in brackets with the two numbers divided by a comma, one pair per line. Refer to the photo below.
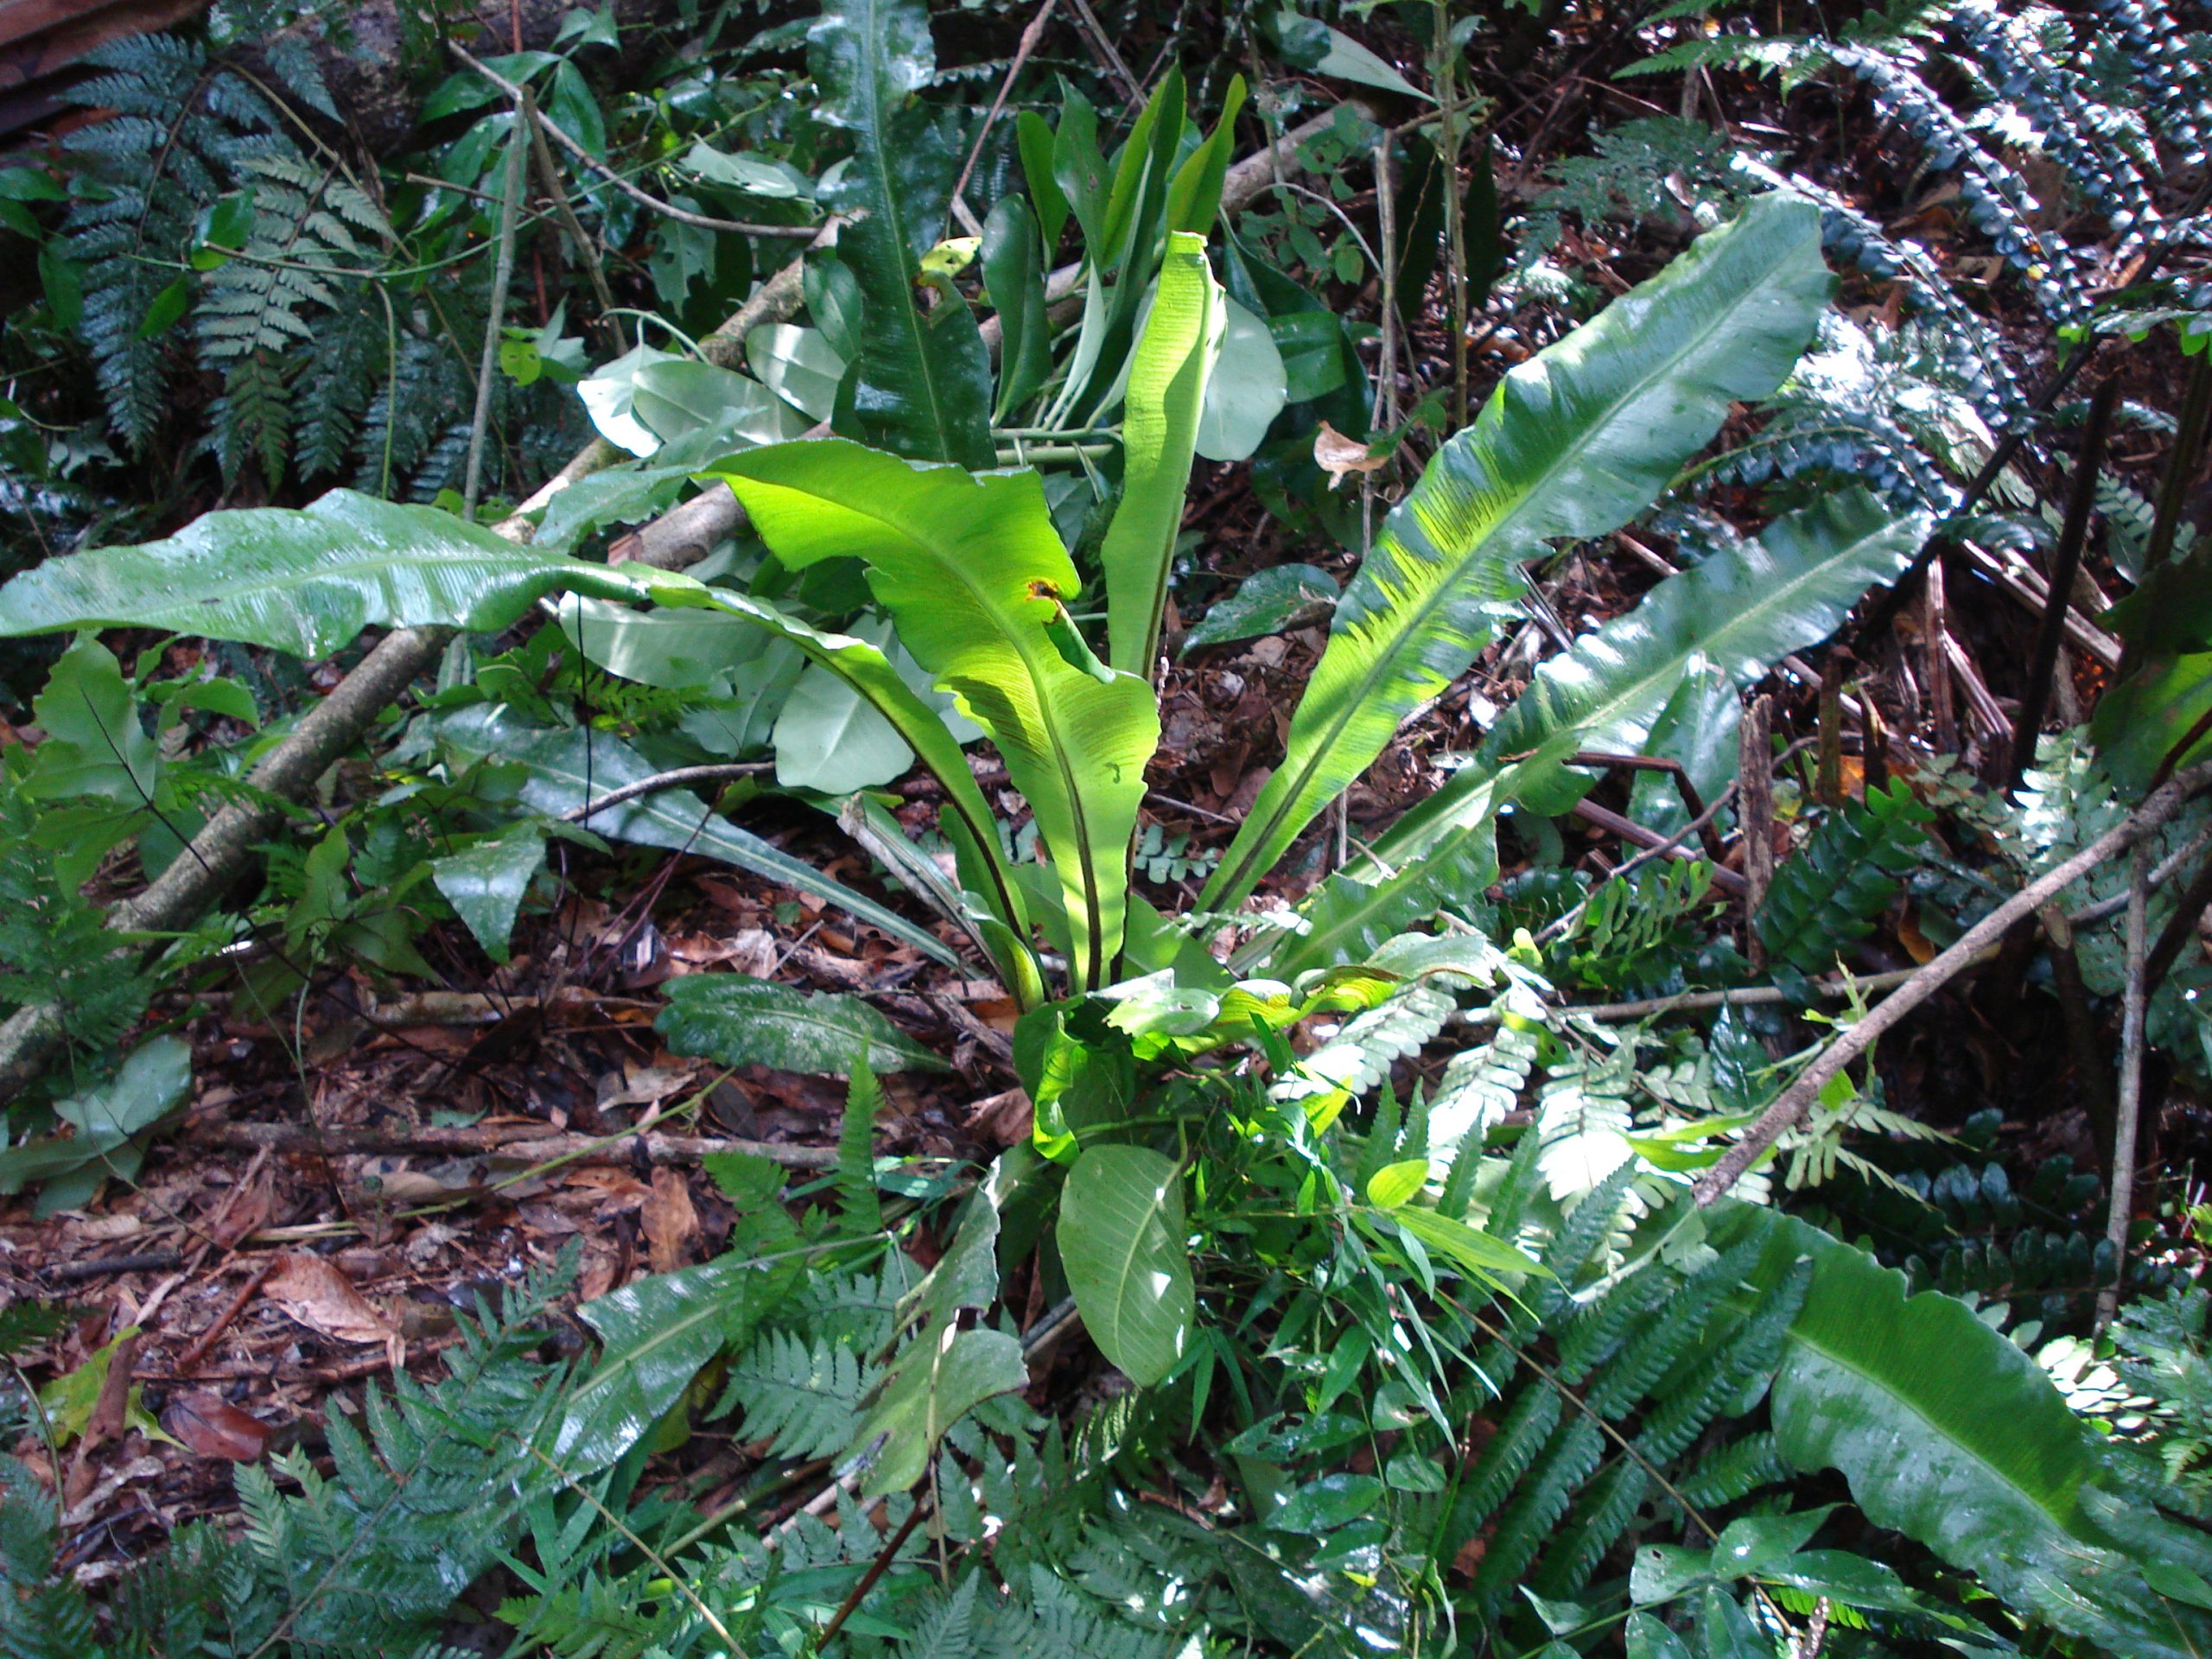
[658,1331]
[1267,601]
[1576,440]
[1743,609]
[1396,1184]
[1122,1238]
[1194,198]
[1014,277]
[689,650]
[942,1371]
[798,365]
[1167,388]
[486,884]
[974,575]
[831,738]
[104,1120]
[1476,1254]
[565,770]
[736,1020]
[305,582]
[924,388]
[676,399]
[1035,139]
[1948,1432]
[1247,390]
[1347,59]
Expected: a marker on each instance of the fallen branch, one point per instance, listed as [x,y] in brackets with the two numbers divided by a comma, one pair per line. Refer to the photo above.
[220,852]
[525,1148]
[1790,1108]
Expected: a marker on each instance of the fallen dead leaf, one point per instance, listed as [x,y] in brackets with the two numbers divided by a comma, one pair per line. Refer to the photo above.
[648,1085]
[323,1298]
[210,1426]
[1003,1119]
[111,1407]
[618,1190]
[669,1221]
[1338,455]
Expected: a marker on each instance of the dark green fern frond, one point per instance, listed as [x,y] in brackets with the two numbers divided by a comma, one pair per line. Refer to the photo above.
[1846,874]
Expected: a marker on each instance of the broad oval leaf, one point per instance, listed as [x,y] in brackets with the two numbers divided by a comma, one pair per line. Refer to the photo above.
[658,1332]
[304,581]
[1123,1242]
[798,365]
[485,884]
[736,1020]
[1247,390]
[1577,439]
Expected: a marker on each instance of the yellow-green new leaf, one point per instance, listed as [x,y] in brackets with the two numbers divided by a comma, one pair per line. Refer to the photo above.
[1577,439]
[1160,430]
[976,577]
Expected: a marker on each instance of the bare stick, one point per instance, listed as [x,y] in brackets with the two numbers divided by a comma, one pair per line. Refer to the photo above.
[1788,1110]
[681,778]
[503,270]
[1031,38]
[2035,696]
[541,1148]
[549,174]
[1669,848]
[1755,811]
[2131,1088]
[644,198]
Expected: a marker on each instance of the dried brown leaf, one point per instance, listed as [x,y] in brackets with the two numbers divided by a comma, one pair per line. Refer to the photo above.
[210,1426]
[323,1298]
[669,1221]
[1338,455]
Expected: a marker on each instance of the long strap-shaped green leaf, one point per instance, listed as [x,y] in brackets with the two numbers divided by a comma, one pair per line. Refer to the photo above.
[305,582]
[1577,439]
[968,820]
[924,383]
[978,582]
[1744,610]
[1948,1432]
[1167,386]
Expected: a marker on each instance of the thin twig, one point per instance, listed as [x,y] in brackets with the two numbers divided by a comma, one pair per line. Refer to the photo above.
[549,173]
[503,270]
[680,778]
[206,1339]
[1795,1101]
[643,198]
[2035,696]
[1628,829]
[1666,849]
[1031,38]
[2130,1106]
